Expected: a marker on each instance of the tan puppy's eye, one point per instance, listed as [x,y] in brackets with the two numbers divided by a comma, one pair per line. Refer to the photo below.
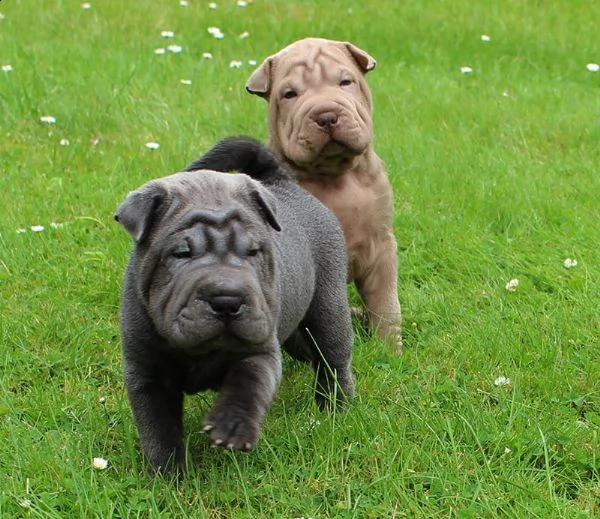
[290,94]
[346,82]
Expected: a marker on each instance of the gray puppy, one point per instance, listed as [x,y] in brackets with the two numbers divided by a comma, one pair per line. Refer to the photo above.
[227,268]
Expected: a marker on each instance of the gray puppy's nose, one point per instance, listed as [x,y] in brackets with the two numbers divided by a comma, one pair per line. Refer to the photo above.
[226,306]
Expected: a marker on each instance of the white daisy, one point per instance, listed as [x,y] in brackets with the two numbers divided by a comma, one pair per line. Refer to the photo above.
[512,285]
[593,67]
[186,81]
[167,34]
[206,55]
[48,119]
[37,228]
[485,37]
[216,33]
[212,5]
[242,3]
[21,230]
[159,51]
[244,35]
[235,64]
[570,263]
[183,3]
[175,49]
[7,68]
[64,142]
[466,70]
[502,381]
[252,62]
[152,145]
[86,5]
[99,463]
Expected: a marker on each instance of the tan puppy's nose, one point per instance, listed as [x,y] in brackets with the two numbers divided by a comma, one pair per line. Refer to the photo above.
[326,119]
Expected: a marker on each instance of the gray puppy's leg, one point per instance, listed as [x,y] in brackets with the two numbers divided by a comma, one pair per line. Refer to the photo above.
[327,331]
[244,398]
[157,411]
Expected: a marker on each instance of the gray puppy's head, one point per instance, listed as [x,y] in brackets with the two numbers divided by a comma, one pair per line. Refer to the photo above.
[204,260]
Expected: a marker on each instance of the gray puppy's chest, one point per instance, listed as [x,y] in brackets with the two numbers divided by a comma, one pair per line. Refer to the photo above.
[193,374]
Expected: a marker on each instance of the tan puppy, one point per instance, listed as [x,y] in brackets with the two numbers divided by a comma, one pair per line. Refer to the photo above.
[320,126]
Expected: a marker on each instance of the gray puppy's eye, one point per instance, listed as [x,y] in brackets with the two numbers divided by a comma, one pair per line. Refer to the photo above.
[183,250]
[253,248]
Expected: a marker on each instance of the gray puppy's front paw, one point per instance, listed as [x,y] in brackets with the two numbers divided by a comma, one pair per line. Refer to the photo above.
[232,428]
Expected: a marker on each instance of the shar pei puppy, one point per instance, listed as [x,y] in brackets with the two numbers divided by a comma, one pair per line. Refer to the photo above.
[226,269]
[320,125]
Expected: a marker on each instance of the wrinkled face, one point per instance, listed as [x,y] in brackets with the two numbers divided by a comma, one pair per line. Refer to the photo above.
[320,107]
[207,273]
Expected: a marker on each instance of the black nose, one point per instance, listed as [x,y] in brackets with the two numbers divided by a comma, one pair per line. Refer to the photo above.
[226,306]
[326,119]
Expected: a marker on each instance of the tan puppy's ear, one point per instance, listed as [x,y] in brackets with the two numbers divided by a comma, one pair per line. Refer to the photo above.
[259,82]
[364,60]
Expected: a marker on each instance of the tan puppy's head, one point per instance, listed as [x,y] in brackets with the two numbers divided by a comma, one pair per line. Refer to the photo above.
[319,103]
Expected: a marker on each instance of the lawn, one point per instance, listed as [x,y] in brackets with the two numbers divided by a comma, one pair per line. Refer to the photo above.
[494,408]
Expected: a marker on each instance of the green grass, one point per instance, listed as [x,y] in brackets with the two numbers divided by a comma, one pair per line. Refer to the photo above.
[488,187]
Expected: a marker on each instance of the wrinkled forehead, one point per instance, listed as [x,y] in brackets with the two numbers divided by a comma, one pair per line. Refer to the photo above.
[312,61]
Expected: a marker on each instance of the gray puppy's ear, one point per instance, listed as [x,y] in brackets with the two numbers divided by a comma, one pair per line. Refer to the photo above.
[259,83]
[266,204]
[140,210]
[364,60]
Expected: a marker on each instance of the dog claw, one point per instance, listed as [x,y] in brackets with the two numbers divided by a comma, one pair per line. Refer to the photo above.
[208,428]
[218,442]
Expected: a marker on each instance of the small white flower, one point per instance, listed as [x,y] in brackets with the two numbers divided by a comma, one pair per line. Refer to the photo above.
[485,37]
[160,50]
[94,141]
[64,142]
[252,62]
[235,64]
[175,49]
[507,450]
[99,463]
[466,70]
[186,81]
[56,225]
[7,68]
[242,3]
[570,263]
[512,285]
[244,35]
[152,145]
[102,399]
[37,228]
[502,381]
[25,503]
[86,5]
[167,34]
[216,33]
[593,67]
[2,16]
[206,55]
[212,5]
[505,93]
[48,119]
[183,3]
[21,231]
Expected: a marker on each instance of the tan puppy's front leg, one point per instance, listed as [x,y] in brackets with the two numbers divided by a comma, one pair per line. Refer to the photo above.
[377,284]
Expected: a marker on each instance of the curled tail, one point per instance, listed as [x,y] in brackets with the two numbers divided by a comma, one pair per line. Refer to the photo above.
[245,155]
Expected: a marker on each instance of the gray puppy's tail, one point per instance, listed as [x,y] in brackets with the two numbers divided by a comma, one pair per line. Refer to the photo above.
[245,155]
